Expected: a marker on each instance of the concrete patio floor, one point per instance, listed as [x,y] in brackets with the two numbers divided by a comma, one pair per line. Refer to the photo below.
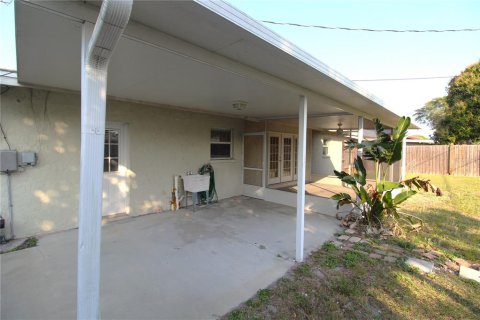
[181,265]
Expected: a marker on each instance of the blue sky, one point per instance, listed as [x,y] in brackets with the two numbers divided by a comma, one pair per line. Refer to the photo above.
[367,55]
[361,55]
[7,37]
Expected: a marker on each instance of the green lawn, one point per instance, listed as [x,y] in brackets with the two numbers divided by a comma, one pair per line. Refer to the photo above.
[339,284]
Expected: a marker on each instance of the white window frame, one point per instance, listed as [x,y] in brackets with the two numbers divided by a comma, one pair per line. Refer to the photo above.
[325,148]
[119,150]
[217,142]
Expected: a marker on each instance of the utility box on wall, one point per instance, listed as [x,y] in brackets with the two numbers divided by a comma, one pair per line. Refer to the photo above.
[8,161]
[27,158]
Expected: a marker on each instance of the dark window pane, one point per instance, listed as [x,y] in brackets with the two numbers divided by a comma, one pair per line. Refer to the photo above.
[107,133]
[105,150]
[113,165]
[325,151]
[105,165]
[113,136]
[220,150]
[114,151]
[221,135]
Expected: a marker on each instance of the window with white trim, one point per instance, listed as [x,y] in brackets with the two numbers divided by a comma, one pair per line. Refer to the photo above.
[221,144]
[111,153]
[325,148]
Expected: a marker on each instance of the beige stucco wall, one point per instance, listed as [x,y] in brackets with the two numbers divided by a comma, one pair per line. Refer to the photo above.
[323,166]
[254,126]
[162,142]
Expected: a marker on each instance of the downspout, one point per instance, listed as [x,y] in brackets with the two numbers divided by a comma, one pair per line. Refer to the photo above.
[96,54]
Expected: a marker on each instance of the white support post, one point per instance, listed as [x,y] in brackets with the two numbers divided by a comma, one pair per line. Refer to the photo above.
[302,152]
[350,156]
[97,48]
[265,161]
[403,172]
[360,134]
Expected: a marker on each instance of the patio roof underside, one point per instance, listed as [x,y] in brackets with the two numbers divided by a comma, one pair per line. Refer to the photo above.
[200,56]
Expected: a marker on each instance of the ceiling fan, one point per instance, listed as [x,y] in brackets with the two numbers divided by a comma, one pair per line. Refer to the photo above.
[340,130]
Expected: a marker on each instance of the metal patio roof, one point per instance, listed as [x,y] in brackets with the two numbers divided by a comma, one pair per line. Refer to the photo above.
[200,55]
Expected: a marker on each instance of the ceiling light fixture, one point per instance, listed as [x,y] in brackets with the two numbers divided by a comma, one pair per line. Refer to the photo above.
[239,105]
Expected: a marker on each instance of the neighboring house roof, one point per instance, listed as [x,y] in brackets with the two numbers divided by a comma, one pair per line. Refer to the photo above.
[193,54]
[419,141]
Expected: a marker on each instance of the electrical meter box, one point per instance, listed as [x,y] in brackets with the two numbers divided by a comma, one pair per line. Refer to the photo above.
[27,158]
[8,160]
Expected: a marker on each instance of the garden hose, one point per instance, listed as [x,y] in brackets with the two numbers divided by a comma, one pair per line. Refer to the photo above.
[212,192]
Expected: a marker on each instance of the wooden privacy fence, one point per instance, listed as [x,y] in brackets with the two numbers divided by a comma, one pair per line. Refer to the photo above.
[349,156]
[458,160]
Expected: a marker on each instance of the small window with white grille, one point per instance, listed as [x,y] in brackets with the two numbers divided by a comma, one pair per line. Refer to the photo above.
[221,144]
[111,155]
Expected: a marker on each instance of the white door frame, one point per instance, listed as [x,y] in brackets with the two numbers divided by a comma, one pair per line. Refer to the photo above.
[293,160]
[283,176]
[250,190]
[263,169]
[279,136]
[123,161]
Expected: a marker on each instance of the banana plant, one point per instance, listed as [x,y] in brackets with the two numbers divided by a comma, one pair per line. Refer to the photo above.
[377,203]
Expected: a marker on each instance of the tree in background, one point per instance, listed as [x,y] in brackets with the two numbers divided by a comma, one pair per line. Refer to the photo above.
[456,117]
[462,121]
[432,113]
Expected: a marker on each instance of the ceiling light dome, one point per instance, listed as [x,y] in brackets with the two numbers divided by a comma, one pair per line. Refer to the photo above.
[239,105]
